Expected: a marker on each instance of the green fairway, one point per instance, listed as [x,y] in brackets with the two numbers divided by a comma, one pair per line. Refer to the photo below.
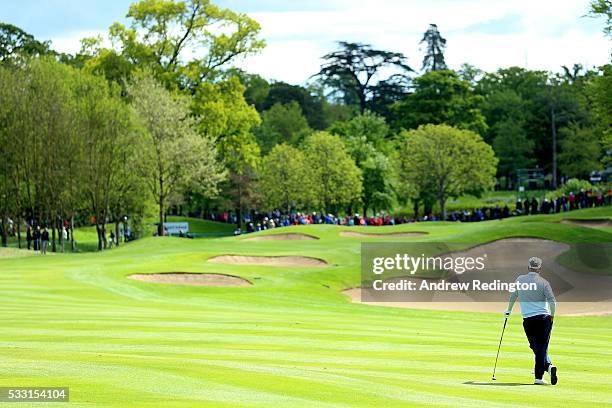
[291,340]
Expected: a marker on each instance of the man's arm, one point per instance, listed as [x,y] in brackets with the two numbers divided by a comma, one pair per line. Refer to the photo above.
[513,297]
[550,298]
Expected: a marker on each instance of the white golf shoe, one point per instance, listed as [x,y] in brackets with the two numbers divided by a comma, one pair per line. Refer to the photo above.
[540,382]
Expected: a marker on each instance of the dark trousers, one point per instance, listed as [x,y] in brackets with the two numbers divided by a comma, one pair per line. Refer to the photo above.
[537,328]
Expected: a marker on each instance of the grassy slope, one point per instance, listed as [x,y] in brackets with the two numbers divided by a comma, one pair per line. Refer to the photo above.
[290,340]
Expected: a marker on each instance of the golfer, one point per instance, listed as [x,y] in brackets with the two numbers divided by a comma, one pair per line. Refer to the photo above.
[538,309]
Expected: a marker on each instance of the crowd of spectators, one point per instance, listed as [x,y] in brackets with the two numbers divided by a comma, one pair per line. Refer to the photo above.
[256,221]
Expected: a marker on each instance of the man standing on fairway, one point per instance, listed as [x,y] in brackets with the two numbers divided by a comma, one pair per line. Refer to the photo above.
[538,309]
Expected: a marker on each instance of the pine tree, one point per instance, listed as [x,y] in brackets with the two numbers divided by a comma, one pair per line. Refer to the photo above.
[435,45]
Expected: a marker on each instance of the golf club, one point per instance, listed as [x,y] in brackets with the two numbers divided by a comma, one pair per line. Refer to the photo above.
[498,347]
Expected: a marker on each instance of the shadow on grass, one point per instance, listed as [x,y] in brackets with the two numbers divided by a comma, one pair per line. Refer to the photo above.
[497,383]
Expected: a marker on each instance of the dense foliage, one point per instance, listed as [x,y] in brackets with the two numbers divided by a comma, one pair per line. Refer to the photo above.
[162,119]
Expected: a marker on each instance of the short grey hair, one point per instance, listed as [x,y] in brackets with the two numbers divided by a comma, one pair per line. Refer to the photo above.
[535,263]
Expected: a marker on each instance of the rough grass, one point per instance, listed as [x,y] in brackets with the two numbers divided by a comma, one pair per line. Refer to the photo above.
[290,340]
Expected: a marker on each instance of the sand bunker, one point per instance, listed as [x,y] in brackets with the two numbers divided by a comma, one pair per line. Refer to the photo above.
[563,308]
[283,237]
[590,223]
[353,234]
[189,278]
[268,260]
[571,284]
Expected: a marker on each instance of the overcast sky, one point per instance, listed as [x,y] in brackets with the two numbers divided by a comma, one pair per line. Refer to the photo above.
[538,34]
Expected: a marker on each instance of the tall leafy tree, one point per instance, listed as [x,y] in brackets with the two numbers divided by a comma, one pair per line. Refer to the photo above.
[106,142]
[311,104]
[470,74]
[184,42]
[353,71]
[603,8]
[434,45]
[175,158]
[441,97]
[506,111]
[513,147]
[546,105]
[443,162]
[41,128]
[366,139]
[598,90]
[580,151]
[285,180]
[282,124]
[224,116]
[15,42]
[337,179]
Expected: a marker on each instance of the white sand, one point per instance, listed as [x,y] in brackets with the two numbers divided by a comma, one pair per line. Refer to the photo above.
[593,223]
[501,250]
[268,260]
[194,279]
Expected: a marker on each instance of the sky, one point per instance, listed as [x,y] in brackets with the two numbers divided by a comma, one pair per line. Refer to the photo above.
[490,34]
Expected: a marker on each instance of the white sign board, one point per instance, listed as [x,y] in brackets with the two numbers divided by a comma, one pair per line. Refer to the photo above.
[175,228]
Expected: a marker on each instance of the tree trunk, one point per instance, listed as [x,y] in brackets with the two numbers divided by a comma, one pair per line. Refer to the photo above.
[117,240]
[553,119]
[72,244]
[160,228]
[53,237]
[416,209]
[239,218]
[60,224]
[104,242]
[4,232]
[442,201]
[19,233]
[99,236]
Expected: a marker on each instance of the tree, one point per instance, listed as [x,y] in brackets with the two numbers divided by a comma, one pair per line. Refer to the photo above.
[598,90]
[366,140]
[603,8]
[11,102]
[444,162]
[470,74]
[352,70]
[282,124]
[337,179]
[285,180]
[242,157]
[256,88]
[184,42]
[547,103]
[225,116]
[312,104]
[106,142]
[14,42]
[506,112]
[435,45]
[441,97]
[513,148]
[175,158]
[580,151]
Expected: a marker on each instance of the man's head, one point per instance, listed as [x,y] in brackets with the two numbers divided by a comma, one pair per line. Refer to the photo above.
[534,264]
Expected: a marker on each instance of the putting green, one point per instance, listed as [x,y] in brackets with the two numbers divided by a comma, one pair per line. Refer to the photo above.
[290,340]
